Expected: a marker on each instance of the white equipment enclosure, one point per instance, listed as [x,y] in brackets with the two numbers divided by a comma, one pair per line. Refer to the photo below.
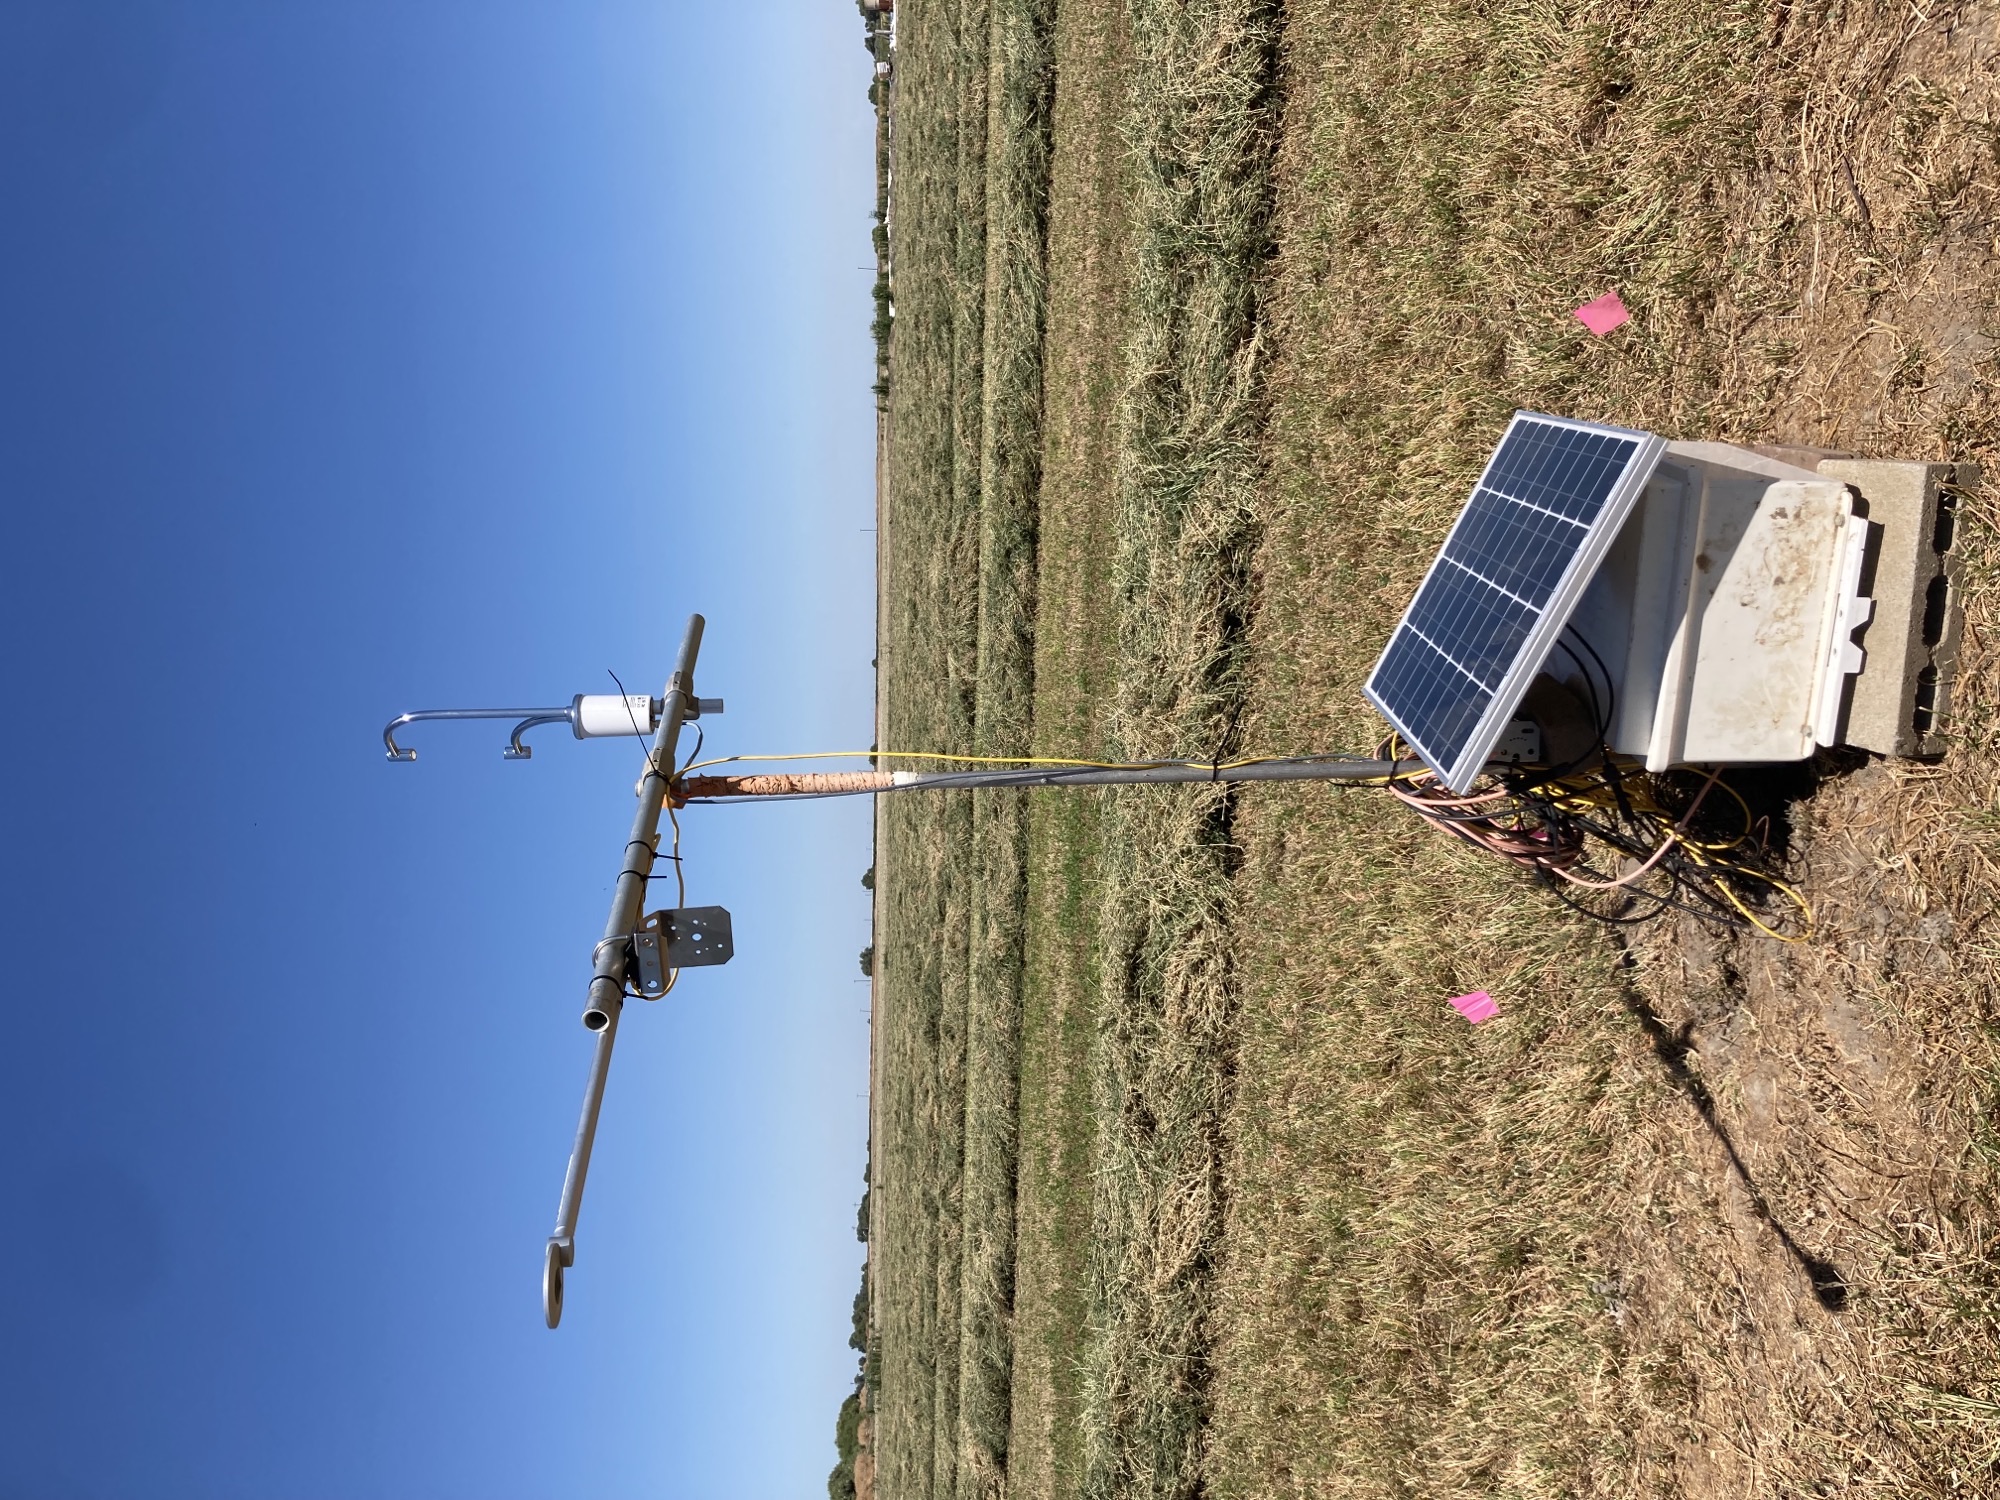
[1726,613]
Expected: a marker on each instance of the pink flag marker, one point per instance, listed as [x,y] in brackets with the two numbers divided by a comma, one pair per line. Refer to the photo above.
[1476,1007]
[1603,315]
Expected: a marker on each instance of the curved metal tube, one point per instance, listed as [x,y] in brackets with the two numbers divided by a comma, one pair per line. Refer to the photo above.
[515,749]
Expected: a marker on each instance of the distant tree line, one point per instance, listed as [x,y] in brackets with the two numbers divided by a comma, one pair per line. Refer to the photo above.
[847,1441]
[847,1425]
[876,37]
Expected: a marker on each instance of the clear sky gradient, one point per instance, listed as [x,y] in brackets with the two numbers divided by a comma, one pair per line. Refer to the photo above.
[365,357]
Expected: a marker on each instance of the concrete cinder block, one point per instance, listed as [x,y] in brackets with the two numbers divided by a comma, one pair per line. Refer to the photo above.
[1798,455]
[1901,698]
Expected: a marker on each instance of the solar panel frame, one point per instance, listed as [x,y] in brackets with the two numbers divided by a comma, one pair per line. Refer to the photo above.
[1534,559]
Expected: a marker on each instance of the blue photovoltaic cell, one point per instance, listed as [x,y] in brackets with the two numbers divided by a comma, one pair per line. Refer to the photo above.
[1517,549]
[1435,703]
[1471,624]
[1484,599]
[1562,469]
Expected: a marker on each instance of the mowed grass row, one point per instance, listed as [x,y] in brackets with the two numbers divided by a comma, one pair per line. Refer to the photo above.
[1151,399]
[923,952]
[1201,130]
[970,195]
[1018,96]
[1075,675]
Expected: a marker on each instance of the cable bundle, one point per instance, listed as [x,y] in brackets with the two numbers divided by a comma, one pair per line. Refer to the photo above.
[1662,838]
[1563,825]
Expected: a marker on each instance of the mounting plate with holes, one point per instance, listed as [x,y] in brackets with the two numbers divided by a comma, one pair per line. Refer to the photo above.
[684,937]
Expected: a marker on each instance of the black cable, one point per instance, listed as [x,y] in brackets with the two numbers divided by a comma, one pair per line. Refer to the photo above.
[626,698]
[1610,687]
[1664,903]
[1600,720]
[1602,715]
[1045,776]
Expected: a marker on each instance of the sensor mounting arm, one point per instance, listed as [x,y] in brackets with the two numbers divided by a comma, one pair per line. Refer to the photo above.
[515,750]
[590,716]
[607,981]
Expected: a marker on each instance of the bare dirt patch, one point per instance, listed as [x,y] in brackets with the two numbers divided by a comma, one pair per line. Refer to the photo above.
[1845,1092]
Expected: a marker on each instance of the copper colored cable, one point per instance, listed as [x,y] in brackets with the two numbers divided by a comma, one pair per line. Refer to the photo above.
[795,784]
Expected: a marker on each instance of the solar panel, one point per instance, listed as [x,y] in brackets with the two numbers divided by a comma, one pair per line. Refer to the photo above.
[1541,518]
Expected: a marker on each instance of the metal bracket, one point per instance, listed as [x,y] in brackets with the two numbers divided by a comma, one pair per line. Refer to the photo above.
[686,937]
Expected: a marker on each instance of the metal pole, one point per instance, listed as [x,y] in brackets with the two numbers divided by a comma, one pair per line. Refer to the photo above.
[607,983]
[849,783]
[1329,768]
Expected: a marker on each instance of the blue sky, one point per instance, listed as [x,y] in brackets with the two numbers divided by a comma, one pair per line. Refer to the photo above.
[366,357]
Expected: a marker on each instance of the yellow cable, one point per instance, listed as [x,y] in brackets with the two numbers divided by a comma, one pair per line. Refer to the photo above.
[1805,907]
[969,760]
[1574,796]
[1749,818]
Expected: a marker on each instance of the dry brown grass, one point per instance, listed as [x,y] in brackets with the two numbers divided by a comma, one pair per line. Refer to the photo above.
[1575,1252]
[1699,1216]
[1088,269]
[965,424]
[1200,129]
[1018,93]
[929,667]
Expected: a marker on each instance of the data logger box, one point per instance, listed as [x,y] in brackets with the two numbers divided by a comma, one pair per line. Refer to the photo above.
[1727,605]
[1753,609]
[1726,610]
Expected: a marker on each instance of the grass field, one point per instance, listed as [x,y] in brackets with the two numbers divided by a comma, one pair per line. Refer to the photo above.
[972,108]
[1187,1181]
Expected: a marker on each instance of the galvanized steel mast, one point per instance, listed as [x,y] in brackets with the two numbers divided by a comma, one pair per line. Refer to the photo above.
[607,982]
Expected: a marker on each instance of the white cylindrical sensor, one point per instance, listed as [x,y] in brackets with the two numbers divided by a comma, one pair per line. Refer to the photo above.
[595,714]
